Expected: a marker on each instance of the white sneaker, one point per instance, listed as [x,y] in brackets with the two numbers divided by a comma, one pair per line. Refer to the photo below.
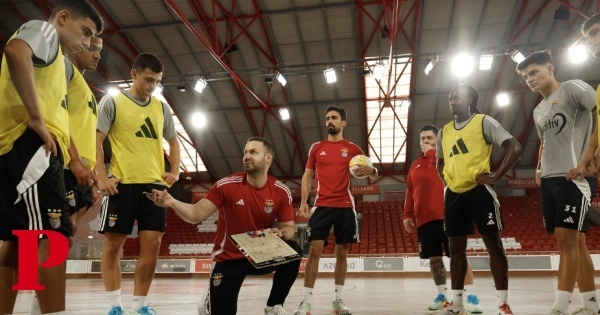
[275,310]
[338,308]
[303,308]
[472,306]
[438,303]
[556,312]
[583,311]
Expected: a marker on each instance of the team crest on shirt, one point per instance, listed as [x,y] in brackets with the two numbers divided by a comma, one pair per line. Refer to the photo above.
[54,215]
[554,104]
[217,279]
[112,220]
[71,198]
[269,206]
[344,152]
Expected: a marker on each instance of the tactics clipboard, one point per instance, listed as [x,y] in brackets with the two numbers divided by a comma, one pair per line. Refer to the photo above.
[264,249]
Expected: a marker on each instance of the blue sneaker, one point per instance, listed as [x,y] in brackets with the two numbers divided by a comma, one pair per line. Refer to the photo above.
[145,310]
[473,305]
[438,303]
[116,310]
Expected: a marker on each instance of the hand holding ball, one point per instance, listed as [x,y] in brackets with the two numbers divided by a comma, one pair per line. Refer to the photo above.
[359,160]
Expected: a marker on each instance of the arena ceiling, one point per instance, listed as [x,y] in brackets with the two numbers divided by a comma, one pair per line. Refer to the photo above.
[239,46]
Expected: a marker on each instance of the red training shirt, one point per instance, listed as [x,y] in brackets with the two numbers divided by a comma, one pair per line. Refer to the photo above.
[243,208]
[424,190]
[332,177]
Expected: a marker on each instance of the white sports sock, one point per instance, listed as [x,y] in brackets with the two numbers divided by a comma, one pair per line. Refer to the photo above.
[502,297]
[590,300]
[442,289]
[35,306]
[138,302]
[457,298]
[469,289]
[563,299]
[114,298]
[337,293]
[308,295]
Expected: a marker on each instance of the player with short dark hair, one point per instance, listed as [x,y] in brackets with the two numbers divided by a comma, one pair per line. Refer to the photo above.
[328,162]
[83,118]
[425,203]
[564,122]
[247,201]
[135,122]
[34,140]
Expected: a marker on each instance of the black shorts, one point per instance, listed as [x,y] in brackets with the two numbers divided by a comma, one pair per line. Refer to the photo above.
[433,241]
[78,196]
[119,212]
[226,279]
[343,220]
[564,203]
[477,206]
[38,182]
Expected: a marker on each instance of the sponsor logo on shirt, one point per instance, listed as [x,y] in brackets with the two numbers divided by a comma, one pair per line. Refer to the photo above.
[240,202]
[323,153]
[558,121]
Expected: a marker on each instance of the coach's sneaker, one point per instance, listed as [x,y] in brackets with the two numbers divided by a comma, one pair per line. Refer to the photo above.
[338,308]
[116,310]
[504,309]
[438,303]
[145,310]
[303,308]
[275,310]
[473,305]
[583,311]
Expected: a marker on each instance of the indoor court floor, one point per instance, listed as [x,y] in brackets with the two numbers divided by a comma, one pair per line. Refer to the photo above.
[364,295]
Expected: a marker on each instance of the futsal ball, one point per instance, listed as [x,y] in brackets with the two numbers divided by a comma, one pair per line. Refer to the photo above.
[359,160]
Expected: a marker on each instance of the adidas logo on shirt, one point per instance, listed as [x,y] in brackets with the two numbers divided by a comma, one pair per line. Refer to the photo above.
[323,153]
[569,220]
[240,202]
[491,222]
[459,148]
[147,130]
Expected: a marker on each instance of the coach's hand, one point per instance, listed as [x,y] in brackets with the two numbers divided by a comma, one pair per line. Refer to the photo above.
[304,209]
[408,225]
[170,178]
[486,179]
[161,198]
[39,126]
[108,186]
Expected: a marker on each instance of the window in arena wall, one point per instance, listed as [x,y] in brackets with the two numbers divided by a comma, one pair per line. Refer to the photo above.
[190,159]
[387,119]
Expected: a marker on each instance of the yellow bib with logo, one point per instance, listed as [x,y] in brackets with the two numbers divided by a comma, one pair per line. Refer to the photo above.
[83,117]
[51,87]
[466,154]
[136,141]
